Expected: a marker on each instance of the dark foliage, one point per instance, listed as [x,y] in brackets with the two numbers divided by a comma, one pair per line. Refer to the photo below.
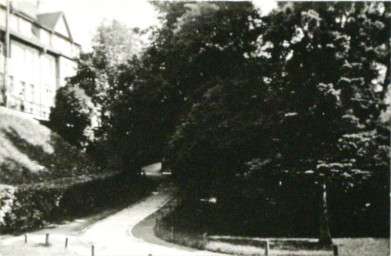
[36,205]
[71,115]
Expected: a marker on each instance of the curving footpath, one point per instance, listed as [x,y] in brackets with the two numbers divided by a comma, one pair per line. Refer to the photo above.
[111,236]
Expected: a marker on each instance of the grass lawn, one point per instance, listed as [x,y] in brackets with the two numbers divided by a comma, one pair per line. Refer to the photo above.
[292,246]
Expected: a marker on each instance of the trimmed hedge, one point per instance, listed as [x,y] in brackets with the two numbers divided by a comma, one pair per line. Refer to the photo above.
[36,205]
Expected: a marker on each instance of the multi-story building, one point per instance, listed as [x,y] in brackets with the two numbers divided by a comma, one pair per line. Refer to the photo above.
[42,53]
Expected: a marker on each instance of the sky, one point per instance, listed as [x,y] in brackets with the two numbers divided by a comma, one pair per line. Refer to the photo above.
[84,16]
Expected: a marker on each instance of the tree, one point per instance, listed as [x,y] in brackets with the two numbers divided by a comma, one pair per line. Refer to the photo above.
[180,65]
[310,108]
[71,115]
[327,105]
[100,73]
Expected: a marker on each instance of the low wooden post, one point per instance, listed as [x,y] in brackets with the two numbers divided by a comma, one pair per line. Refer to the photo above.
[205,239]
[267,247]
[172,233]
[25,238]
[47,239]
[66,242]
[335,250]
[92,250]
[157,224]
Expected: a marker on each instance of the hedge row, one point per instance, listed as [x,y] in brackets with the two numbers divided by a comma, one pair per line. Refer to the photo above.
[36,205]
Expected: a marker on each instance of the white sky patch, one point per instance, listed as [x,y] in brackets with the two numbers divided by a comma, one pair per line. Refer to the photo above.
[266,6]
[84,16]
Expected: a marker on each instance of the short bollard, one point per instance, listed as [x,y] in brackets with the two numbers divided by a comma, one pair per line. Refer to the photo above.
[66,242]
[172,233]
[47,239]
[267,247]
[157,224]
[92,250]
[335,250]
[25,238]
[205,239]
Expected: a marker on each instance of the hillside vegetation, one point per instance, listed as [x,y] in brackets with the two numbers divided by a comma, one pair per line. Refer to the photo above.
[30,152]
[43,179]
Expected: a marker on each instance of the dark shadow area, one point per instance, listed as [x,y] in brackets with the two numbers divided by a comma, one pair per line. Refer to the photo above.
[35,206]
[115,192]
[289,208]
[12,172]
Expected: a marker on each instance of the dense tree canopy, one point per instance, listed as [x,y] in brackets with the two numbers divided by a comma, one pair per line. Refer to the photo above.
[313,108]
[232,99]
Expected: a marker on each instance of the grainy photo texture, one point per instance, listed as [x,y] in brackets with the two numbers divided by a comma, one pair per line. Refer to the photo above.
[184,128]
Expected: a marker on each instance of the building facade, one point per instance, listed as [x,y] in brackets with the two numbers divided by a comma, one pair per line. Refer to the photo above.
[41,55]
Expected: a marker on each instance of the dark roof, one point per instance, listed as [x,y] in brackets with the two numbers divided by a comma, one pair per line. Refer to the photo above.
[49,20]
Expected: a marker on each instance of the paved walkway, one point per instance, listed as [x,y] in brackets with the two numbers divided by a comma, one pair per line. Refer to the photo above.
[111,236]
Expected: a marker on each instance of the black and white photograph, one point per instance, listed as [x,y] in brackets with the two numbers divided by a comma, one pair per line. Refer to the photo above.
[195,128]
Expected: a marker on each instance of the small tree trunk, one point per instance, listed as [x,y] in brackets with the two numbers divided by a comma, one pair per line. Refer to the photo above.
[324,235]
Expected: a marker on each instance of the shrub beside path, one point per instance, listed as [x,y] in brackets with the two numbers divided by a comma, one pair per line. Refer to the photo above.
[111,235]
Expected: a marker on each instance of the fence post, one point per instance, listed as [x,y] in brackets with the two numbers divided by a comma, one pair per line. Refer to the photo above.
[92,250]
[335,250]
[47,239]
[172,233]
[205,239]
[157,224]
[267,247]
[66,242]
[25,238]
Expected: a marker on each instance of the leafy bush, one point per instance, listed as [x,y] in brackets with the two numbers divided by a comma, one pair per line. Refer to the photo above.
[71,115]
[36,205]
[31,208]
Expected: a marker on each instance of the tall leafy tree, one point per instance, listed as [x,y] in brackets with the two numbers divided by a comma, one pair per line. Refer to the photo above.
[100,73]
[312,109]
[328,106]
[198,44]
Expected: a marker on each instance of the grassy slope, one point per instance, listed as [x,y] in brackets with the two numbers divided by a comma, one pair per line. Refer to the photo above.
[30,152]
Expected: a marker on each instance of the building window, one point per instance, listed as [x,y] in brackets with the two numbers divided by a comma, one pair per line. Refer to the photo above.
[49,71]
[22,92]
[25,27]
[11,84]
[49,97]
[30,93]
[22,95]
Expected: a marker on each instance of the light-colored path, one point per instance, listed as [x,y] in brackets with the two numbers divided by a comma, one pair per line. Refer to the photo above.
[113,235]
[110,236]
